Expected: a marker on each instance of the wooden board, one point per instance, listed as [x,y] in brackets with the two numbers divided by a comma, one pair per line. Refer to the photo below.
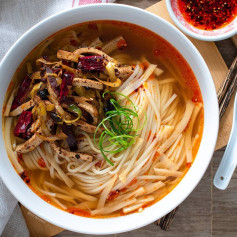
[234,39]
[37,226]
[218,68]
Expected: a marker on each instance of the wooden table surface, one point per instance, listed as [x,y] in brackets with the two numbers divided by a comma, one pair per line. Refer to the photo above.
[207,211]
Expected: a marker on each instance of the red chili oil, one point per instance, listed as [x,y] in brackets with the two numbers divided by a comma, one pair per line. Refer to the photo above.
[208,14]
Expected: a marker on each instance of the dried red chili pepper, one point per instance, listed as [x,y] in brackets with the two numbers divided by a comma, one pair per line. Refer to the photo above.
[91,64]
[22,92]
[71,138]
[66,81]
[23,125]
[54,85]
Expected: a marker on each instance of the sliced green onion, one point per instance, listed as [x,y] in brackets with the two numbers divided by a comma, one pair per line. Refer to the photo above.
[119,127]
[74,109]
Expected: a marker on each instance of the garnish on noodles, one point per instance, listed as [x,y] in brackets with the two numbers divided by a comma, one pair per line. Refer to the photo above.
[120,126]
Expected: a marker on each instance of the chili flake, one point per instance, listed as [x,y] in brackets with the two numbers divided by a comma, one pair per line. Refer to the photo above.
[121,44]
[113,194]
[208,14]
[24,177]
[41,162]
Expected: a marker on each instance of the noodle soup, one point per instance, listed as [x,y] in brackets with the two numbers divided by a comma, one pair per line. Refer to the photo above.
[103,119]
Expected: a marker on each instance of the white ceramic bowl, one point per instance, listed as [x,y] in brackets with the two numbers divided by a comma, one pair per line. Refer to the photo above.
[140,17]
[207,35]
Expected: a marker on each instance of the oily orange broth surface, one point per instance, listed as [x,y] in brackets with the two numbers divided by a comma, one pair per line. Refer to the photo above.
[140,42]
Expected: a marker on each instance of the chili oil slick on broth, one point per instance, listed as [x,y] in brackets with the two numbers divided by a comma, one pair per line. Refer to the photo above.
[103,119]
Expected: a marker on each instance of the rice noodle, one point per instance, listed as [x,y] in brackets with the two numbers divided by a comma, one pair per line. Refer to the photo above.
[140,174]
[9,103]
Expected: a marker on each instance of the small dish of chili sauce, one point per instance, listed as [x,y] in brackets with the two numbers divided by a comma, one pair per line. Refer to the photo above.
[205,19]
[208,14]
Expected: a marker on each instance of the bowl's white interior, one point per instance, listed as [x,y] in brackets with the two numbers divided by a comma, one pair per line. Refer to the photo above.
[140,17]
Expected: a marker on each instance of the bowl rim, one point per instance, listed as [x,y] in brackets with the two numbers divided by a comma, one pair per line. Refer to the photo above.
[128,222]
[195,35]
